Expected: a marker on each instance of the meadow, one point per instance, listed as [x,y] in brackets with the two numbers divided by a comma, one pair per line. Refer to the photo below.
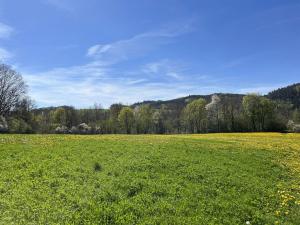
[249,178]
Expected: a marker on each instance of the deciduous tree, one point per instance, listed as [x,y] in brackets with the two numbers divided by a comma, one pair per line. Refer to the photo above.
[194,115]
[12,89]
[126,119]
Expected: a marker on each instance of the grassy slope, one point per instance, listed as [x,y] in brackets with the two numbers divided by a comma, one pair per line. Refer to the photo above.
[178,179]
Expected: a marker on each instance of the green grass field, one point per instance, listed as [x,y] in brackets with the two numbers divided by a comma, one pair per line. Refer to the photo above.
[150,179]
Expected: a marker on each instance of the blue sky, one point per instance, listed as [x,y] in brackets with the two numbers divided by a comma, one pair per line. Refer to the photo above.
[81,52]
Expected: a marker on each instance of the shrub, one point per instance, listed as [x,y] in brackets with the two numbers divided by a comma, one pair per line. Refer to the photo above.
[83,128]
[74,130]
[297,128]
[292,127]
[19,126]
[61,130]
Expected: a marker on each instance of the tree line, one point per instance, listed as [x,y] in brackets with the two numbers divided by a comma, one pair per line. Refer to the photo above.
[222,113]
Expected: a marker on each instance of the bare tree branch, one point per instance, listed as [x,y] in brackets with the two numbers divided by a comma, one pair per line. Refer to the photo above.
[12,89]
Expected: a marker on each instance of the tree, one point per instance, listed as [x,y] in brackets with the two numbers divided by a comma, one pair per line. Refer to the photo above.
[71,117]
[98,111]
[266,112]
[12,89]
[60,116]
[296,116]
[258,109]
[231,110]
[161,119]
[144,117]
[251,106]
[114,111]
[23,109]
[292,127]
[22,118]
[3,125]
[19,126]
[44,122]
[126,119]
[194,115]
[213,112]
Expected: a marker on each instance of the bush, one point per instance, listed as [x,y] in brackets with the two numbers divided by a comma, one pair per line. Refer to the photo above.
[19,126]
[293,127]
[61,130]
[290,125]
[83,128]
[98,130]
[297,128]
[74,130]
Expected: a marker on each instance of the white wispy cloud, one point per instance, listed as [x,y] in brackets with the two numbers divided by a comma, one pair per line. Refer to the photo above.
[174,75]
[98,49]
[103,81]
[5,30]
[81,86]
[137,81]
[65,5]
[5,33]
[5,55]
[165,68]
[60,90]
[138,45]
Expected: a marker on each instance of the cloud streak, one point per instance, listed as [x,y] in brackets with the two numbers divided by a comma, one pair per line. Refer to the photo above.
[103,80]
[47,90]
[137,46]
[5,31]
[81,86]
[64,5]
[5,55]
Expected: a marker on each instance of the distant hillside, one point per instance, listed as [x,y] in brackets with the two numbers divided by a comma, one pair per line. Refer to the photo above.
[289,94]
[181,102]
[48,109]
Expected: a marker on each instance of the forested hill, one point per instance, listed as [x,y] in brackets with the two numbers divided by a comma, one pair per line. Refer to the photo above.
[290,94]
[182,102]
